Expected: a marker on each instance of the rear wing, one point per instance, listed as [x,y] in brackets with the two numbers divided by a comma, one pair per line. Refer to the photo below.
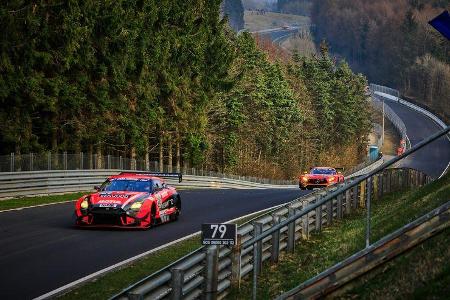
[341,169]
[157,174]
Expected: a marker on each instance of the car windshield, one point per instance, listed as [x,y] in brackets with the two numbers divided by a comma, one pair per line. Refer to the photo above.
[127,185]
[323,171]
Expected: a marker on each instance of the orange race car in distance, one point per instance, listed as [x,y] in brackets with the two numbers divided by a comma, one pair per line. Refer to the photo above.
[319,177]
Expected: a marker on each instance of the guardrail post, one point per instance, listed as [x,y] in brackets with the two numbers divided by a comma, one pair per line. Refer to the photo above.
[329,212]
[355,197]
[236,262]
[318,215]
[362,194]
[257,248]
[12,163]
[212,273]
[291,232]
[348,202]
[65,160]
[388,185]
[339,212]
[369,187]
[177,284]
[257,257]
[305,222]
[275,253]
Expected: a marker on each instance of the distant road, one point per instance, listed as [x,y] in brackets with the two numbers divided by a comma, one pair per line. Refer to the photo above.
[277,35]
[433,159]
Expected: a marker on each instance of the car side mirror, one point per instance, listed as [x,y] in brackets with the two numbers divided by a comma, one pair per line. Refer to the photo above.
[97,188]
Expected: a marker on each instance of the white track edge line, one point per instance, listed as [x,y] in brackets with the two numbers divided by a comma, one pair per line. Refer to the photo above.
[34,206]
[134,258]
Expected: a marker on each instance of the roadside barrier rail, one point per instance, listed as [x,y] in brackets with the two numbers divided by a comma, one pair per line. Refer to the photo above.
[210,271]
[16,184]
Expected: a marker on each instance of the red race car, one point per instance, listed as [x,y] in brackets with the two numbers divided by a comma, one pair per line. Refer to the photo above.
[130,200]
[319,177]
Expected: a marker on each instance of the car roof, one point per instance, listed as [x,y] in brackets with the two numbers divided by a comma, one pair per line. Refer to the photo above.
[135,176]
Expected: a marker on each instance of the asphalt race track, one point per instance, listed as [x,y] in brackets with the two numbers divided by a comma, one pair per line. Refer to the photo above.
[41,250]
[433,158]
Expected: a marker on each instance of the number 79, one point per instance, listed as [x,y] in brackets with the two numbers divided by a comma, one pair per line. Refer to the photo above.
[221,228]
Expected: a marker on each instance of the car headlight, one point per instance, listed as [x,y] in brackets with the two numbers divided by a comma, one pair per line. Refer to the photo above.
[84,204]
[136,206]
[305,179]
[331,178]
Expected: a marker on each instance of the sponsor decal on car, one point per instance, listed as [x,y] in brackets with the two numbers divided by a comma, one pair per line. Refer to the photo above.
[109,195]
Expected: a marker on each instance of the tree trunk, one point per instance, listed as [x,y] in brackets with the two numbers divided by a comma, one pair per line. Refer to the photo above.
[161,153]
[133,158]
[178,150]
[99,162]
[169,158]
[90,153]
[147,155]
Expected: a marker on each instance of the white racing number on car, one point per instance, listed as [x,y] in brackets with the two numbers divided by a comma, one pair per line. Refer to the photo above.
[163,216]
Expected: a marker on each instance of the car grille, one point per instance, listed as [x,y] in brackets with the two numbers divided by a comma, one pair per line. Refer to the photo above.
[318,181]
[107,215]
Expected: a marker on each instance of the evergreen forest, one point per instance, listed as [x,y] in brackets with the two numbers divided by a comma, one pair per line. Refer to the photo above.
[171,81]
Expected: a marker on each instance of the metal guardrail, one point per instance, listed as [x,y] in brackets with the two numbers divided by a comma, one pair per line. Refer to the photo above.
[15,184]
[211,271]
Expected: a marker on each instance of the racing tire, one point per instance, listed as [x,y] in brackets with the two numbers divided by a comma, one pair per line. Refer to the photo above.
[153,221]
[177,203]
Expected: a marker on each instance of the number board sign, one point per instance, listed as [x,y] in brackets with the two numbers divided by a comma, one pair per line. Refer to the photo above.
[219,234]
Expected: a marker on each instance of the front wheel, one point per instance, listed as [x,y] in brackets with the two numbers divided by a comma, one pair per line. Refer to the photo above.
[177,204]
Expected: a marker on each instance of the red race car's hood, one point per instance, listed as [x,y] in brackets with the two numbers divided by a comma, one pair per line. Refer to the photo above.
[116,197]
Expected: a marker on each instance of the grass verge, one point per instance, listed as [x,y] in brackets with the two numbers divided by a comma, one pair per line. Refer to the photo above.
[346,237]
[38,200]
[421,273]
